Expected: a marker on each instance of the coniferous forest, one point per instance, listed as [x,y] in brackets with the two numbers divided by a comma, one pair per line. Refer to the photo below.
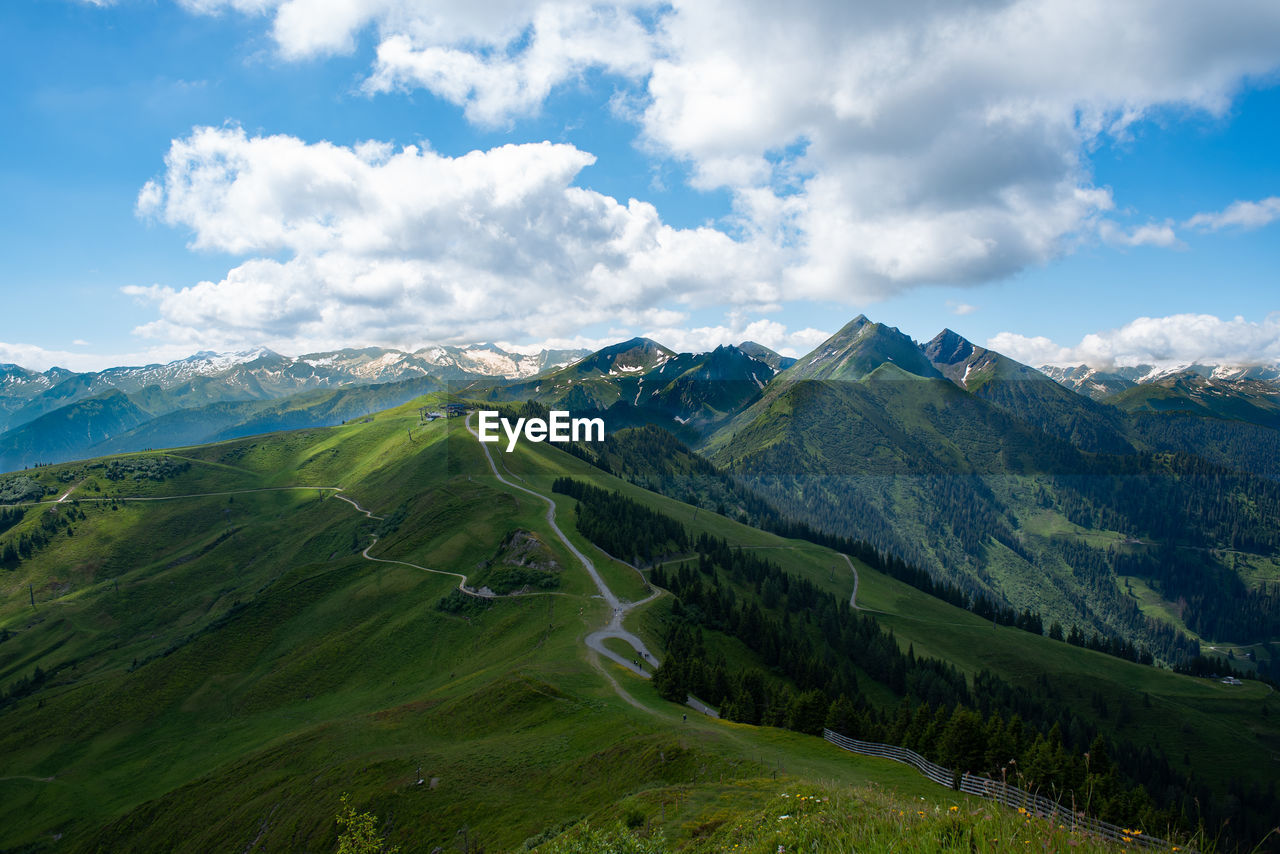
[816,655]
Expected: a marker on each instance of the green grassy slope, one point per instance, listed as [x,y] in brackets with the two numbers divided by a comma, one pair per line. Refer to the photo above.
[219,669]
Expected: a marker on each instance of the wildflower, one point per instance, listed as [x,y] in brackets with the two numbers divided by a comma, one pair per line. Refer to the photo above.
[955,808]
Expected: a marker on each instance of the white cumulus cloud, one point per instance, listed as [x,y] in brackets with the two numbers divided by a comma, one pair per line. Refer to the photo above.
[1241,214]
[1151,234]
[772,334]
[1178,339]
[372,243]
[886,145]
[560,42]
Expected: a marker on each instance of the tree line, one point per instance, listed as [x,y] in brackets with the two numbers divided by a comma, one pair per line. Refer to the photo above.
[814,651]
[622,527]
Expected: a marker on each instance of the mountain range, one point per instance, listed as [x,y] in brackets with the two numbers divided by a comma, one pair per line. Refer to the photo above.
[981,470]
[985,472]
[920,543]
[56,415]
[644,381]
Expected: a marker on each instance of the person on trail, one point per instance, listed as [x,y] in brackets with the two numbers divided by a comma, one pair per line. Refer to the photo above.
[684,718]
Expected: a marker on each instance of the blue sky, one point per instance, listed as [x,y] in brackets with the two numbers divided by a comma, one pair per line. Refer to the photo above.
[1064,181]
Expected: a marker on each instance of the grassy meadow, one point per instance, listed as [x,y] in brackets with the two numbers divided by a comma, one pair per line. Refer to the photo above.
[213,667]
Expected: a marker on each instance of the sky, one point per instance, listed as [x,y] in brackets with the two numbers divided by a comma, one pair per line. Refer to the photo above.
[1065,181]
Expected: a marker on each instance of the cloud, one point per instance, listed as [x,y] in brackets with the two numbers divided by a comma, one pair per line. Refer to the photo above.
[770,333]
[944,143]
[960,308]
[560,42]
[886,146]
[1179,339]
[369,243]
[1151,234]
[1239,215]
[36,358]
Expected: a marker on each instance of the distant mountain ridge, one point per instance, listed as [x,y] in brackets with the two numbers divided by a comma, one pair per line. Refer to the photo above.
[58,415]
[1100,383]
[261,374]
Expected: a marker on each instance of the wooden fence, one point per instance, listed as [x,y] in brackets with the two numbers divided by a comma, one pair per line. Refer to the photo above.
[1000,792]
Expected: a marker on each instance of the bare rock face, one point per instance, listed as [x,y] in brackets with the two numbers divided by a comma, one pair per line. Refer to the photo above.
[523,548]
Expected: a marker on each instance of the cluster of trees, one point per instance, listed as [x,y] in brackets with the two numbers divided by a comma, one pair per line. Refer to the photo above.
[502,579]
[24,686]
[19,489]
[457,602]
[622,527]
[1118,647]
[1239,445]
[1096,569]
[18,548]
[1215,602]
[964,739]
[145,468]
[1176,498]
[10,516]
[1206,666]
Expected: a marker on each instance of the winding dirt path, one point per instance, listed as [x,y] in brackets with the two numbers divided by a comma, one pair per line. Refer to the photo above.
[853,599]
[122,498]
[619,609]
[462,579]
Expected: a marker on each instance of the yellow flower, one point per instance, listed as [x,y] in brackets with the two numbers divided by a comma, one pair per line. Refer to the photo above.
[955,809]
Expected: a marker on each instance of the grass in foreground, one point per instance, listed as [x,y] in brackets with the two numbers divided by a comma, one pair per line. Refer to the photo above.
[776,816]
